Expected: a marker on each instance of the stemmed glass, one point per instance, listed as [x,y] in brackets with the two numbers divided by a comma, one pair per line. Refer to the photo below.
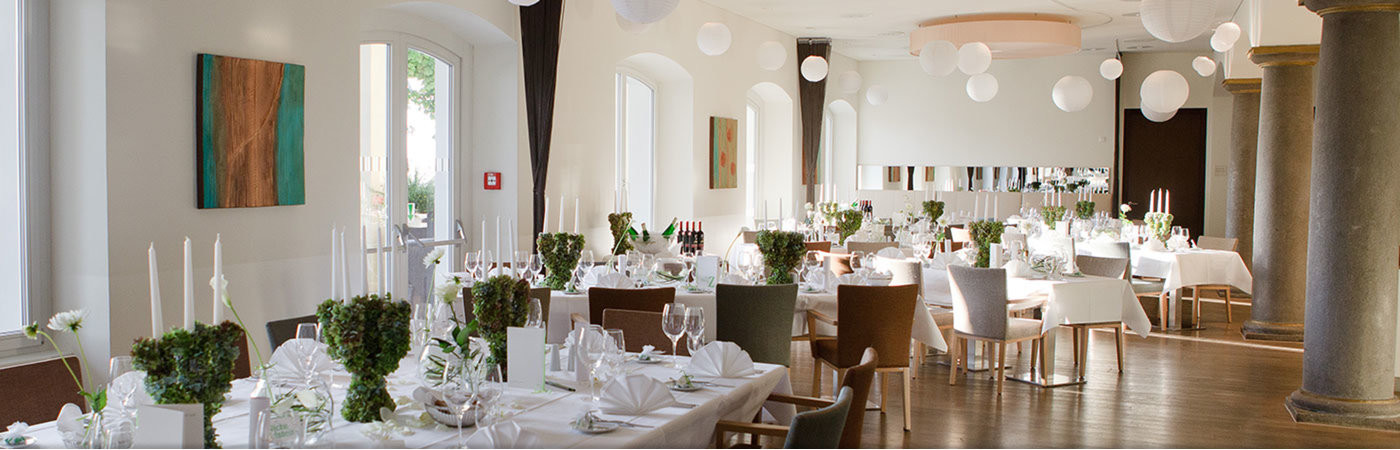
[673,319]
[487,394]
[487,260]
[518,266]
[585,264]
[591,346]
[615,352]
[695,327]
[472,263]
[812,262]
[534,316]
[535,266]
[117,430]
[310,332]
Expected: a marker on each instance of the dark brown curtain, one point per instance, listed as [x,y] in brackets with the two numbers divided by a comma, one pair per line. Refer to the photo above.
[539,51]
[812,96]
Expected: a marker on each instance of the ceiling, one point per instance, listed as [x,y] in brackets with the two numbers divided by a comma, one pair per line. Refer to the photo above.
[879,29]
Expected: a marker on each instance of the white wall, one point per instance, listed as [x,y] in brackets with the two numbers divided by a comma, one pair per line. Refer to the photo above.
[931,121]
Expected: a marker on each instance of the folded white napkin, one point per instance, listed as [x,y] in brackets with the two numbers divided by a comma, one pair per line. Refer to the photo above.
[298,360]
[503,435]
[648,352]
[734,278]
[591,277]
[721,359]
[890,252]
[615,280]
[1018,269]
[69,417]
[850,279]
[634,395]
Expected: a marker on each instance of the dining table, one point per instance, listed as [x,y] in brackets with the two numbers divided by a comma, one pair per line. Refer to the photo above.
[546,412]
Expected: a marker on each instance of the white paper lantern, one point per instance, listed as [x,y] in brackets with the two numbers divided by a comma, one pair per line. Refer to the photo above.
[1204,66]
[982,87]
[524,2]
[850,81]
[939,58]
[644,11]
[1176,20]
[1164,90]
[974,58]
[713,38]
[876,95]
[1111,68]
[1225,37]
[771,55]
[814,68]
[1072,93]
[630,26]
[1158,116]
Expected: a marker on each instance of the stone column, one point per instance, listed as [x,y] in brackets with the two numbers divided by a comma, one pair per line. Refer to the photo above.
[1244,144]
[1349,352]
[1281,191]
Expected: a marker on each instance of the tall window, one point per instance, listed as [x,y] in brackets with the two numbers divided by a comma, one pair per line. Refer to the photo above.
[14,306]
[751,160]
[407,157]
[824,151]
[636,145]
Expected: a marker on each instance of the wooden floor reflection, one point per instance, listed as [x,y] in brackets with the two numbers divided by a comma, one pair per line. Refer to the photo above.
[1208,388]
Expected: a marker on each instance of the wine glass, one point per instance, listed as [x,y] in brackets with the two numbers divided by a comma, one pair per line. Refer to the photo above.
[591,346]
[534,316]
[519,266]
[307,335]
[616,350]
[585,260]
[535,265]
[694,344]
[673,324]
[487,394]
[472,262]
[488,259]
[118,366]
[695,324]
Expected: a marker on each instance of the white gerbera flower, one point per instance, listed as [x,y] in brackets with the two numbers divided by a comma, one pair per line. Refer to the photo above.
[309,399]
[433,257]
[448,291]
[222,286]
[70,321]
[1125,208]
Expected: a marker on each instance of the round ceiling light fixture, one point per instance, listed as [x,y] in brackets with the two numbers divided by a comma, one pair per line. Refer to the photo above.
[1164,90]
[814,68]
[1072,93]
[1008,36]
[1111,69]
[939,58]
[974,58]
[644,11]
[713,38]
[771,55]
[1225,37]
[982,87]
[1176,20]
[876,95]
[1203,65]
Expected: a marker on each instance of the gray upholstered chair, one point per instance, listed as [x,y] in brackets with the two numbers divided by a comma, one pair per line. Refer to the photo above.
[758,318]
[903,271]
[819,428]
[980,313]
[858,379]
[879,317]
[1101,267]
[868,247]
[279,331]
[1142,287]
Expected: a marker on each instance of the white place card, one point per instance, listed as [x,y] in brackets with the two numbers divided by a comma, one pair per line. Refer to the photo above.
[170,426]
[525,357]
[706,271]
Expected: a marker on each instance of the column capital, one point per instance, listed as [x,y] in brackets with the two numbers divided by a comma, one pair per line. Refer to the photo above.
[1325,7]
[1242,85]
[1284,55]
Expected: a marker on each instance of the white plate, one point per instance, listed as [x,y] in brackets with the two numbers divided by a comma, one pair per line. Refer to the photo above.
[599,428]
[29,441]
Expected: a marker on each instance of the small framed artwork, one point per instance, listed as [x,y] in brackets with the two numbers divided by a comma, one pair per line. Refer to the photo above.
[724,153]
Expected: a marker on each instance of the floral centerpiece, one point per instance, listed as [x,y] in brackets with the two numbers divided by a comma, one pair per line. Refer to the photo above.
[191,366]
[561,252]
[1052,215]
[71,322]
[984,234]
[499,302]
[1084,209]
[1159,226]
[782,252]
[369,335]
[433,364]
[848,222]
[933,209]
[618,224]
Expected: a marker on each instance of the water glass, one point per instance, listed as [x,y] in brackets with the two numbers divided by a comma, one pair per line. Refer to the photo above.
[534,316]
[536,266]
[487,395]
[673,323]
[695,323]
[615,352]
[472,262]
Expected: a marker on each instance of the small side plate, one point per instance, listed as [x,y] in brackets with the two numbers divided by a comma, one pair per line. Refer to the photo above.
[677,388]
[29,441]
[599,428]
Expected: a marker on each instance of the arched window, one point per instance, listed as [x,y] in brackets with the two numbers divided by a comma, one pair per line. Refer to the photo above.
[636,144]
[752,127]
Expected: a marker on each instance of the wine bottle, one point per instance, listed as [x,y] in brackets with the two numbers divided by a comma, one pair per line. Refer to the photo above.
[699,238]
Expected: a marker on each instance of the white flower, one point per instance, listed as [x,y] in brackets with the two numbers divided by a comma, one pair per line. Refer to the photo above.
[942,221]
[1124,208]
[70,321]
[222,287]
[309,399]
[448,291]
[433,257]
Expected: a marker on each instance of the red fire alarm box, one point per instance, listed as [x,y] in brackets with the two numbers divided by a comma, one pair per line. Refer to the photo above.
[493,181]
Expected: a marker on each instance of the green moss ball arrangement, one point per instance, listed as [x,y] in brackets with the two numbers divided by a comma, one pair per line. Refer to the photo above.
[1052,215]
[782,252]
[618,224]
[933,209]
[369,335]
[848,223]
[191,366]
[561,252]
[984,234]
[499,302]
[1084,209]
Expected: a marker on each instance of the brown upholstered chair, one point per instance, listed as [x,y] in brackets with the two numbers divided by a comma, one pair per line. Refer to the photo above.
[879,317]
[242,368]
[34,392]
[868,247]
[858,378]
[641,328]
[543,294]
[820,246]
[838,263]
[653,300]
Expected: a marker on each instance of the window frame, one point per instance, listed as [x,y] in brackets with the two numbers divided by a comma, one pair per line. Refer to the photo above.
[31,142]
[752,158]
[622,164]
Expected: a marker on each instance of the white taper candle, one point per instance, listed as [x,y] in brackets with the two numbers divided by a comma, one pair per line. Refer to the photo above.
[189,286]
[218,278]
[157,323]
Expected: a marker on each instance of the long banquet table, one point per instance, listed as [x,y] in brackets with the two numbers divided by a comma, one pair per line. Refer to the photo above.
[546,413]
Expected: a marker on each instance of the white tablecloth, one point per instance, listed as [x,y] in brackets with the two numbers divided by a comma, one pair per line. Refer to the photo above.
[1193,268]
[545,413]
[1086,299]
[562,305]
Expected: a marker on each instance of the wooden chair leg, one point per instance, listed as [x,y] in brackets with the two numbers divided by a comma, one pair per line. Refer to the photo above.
[1044,365]
[1229,316]
[1075,331]
[1001,366]
[1196,308]
[953,353]
[816,377]
[908,398]
[884,391]
[1083,355]
[1162,309]
[1118,342]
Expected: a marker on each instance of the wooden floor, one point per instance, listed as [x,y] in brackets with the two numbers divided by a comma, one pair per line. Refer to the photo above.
[1206,388]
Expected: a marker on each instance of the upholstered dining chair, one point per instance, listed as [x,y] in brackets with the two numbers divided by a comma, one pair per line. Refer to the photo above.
[749,237]
[980,313]
[838,263]
[858,379]
[279,331]
[959,234]
[1100,267]
[34,392]
[641,328]
[1222,290]
[820,246]
[758,318]
[879,317]
[820,428]
[542,294]
[652,299]
[1142,287]
[869,247]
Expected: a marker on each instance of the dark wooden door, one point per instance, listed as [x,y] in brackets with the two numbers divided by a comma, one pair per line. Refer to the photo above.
[1168,155]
